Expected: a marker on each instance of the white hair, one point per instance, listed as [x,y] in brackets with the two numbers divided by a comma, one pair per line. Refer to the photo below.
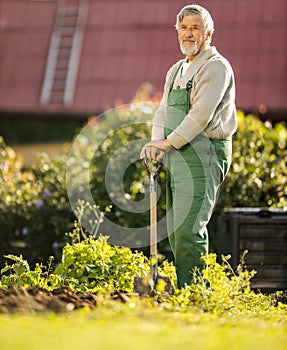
[208,24]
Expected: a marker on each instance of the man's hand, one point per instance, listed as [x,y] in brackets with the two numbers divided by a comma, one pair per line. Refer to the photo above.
[155,150]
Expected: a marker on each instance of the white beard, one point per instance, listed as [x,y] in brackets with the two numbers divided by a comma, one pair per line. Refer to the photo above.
[189,51]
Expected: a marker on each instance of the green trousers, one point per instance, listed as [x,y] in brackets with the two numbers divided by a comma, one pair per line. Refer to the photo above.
[193,179]
[194,175]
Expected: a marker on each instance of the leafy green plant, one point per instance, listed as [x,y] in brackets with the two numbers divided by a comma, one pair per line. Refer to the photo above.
[219,289]
[21,275]
[89,265]
[94,264]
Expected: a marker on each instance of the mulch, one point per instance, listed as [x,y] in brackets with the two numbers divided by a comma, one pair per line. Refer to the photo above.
[19,300]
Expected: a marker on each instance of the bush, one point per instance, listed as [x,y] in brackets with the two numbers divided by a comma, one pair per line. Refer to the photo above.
[34,209]
[257,176]
[258,173]
[116,131]
[121,136]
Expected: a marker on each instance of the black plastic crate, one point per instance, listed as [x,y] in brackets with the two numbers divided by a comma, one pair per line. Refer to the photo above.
[263,233]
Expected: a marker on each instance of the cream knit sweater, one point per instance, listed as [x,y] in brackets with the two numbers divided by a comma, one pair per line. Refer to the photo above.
[212,100]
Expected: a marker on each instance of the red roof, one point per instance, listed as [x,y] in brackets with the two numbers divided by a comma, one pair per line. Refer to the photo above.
[129,42]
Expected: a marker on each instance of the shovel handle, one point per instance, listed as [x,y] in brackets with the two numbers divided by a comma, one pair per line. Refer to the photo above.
[153,218]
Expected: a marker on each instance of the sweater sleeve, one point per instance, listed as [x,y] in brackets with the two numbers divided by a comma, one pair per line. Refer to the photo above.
[211,83]
[158,124]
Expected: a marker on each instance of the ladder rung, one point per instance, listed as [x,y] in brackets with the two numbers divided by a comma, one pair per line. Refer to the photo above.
[68,21]
[67,31]
[61,77]
[71,10]
[66,42]
[57,97]
[60,73]
[59,85]
[62,63]
[64,53]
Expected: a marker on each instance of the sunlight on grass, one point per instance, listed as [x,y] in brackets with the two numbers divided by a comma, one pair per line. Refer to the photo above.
[121,327]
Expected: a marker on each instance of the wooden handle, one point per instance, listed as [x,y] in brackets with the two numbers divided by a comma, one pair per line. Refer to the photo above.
[153,224]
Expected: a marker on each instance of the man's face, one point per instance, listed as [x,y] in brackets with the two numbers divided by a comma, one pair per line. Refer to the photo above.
[191,36]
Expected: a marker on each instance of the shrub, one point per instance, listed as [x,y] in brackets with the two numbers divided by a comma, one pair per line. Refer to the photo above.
[257,176]
[116,131]
[34,209]
[258,173]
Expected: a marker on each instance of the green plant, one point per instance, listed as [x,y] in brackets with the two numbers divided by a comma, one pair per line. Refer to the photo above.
[21,275]
[120,135]
[89,265]
[86,212]
[221,290]
[258,172]
[35,212]
[94,264]
[34,208]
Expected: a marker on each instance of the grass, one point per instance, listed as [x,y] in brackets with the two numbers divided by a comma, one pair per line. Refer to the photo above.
[124,326]
[221,314]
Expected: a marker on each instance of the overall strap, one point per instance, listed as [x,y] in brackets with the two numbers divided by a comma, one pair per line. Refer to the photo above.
[174,76]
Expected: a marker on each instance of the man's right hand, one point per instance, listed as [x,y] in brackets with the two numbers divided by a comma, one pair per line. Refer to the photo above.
[155,150]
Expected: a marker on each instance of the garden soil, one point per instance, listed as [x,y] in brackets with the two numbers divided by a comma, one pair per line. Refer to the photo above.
[61,300]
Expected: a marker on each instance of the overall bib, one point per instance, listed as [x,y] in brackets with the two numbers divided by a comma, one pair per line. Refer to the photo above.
[194,174]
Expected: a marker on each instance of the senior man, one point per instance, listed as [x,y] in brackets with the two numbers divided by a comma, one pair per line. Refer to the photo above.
[192,131]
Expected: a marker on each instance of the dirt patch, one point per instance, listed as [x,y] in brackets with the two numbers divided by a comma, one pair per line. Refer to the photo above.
[61,300]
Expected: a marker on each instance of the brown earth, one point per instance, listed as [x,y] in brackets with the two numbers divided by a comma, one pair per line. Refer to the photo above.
[61,300]
[19,300]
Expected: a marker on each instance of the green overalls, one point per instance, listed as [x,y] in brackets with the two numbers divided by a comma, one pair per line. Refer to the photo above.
[194,174]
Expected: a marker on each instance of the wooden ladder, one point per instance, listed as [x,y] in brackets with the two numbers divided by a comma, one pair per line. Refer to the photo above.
[64,53]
